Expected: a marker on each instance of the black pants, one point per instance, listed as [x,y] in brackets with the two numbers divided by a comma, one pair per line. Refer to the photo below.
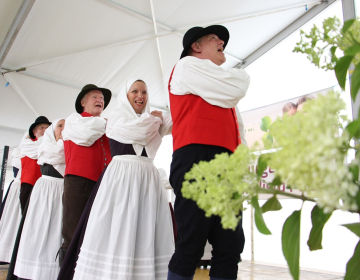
[77,191]
[25,192]
[194,228]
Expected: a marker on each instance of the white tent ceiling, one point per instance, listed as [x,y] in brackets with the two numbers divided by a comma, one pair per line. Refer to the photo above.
[66,44]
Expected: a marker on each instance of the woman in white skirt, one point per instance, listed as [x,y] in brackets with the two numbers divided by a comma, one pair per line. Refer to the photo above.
[11,215]
[129,232]
[41,233]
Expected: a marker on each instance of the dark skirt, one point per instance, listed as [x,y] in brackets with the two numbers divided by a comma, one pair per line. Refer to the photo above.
[69,263]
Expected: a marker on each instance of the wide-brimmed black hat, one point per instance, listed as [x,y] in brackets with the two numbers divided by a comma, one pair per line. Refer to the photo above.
[197,32]
[106,92]
[38,121]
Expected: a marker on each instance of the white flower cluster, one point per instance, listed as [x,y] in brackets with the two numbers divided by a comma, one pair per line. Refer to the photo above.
[218,186]
[311,158]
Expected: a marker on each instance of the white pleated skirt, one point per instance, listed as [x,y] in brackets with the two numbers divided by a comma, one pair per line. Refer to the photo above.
[129,234]
[10,221]
[41,235]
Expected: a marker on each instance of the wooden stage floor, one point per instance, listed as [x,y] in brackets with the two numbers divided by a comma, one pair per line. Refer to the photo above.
[251,271]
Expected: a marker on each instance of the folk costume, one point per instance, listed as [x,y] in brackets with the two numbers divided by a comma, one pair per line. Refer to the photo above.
[129,233]
[41,233]
[87,153]
[30,169]
[203,99]
[11,214]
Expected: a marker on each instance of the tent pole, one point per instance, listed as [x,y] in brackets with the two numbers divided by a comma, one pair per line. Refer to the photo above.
[286,32]
[14,29]
[252,232]
[157,40]
[3,171]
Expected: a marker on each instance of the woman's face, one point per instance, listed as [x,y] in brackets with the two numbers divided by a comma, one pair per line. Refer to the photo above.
[137,96]
[59,127]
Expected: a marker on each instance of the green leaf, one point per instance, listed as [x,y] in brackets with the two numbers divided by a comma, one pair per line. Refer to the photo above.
[261,165]
[265,123]
[354,128]
[291,242]
[354,169]
[267,140]
[276,182]
[355,82]
[259,220]
[355,228]
[353,50]
[347,25]
[272,204]
[318,220]
[341,69]
[353,267]
[357,198]
[236,196]
[263,127]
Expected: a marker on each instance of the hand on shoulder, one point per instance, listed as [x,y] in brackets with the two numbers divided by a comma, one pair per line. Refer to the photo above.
[157,114]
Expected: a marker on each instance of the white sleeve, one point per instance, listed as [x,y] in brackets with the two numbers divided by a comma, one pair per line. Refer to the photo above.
[241,126]
[16,155]
[83,131]
[201,77]
[166,127]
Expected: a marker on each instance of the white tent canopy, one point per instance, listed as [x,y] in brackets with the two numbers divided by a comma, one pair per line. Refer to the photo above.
[59,46]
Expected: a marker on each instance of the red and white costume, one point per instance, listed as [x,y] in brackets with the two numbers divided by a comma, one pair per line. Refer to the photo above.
[87,149]
[203,99]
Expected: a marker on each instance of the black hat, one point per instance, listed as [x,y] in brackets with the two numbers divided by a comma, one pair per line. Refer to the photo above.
[38,121]
[197,32]
[85,90]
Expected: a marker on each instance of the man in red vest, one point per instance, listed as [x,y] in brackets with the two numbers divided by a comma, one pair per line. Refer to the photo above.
[30,170]
[203,99]
[87,153]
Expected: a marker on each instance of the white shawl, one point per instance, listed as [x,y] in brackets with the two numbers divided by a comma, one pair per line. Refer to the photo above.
[51,151]
[126,127]
[83,131]
[29,148]
[217,86]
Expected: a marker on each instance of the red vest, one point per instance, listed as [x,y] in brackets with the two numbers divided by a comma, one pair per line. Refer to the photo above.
[197,122]
[30,170]
[87,162]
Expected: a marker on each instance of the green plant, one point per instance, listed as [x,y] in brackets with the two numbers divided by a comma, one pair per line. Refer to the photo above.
[310,150]
[267,138]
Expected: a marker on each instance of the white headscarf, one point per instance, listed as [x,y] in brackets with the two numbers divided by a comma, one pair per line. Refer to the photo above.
[127,127]
[51,151]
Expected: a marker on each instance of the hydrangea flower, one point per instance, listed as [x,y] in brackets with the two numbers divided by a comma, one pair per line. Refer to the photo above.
[309,157]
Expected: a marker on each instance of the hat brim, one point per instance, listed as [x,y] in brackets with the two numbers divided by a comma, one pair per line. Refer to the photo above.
[218,30]
[107,97]
[31,128]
